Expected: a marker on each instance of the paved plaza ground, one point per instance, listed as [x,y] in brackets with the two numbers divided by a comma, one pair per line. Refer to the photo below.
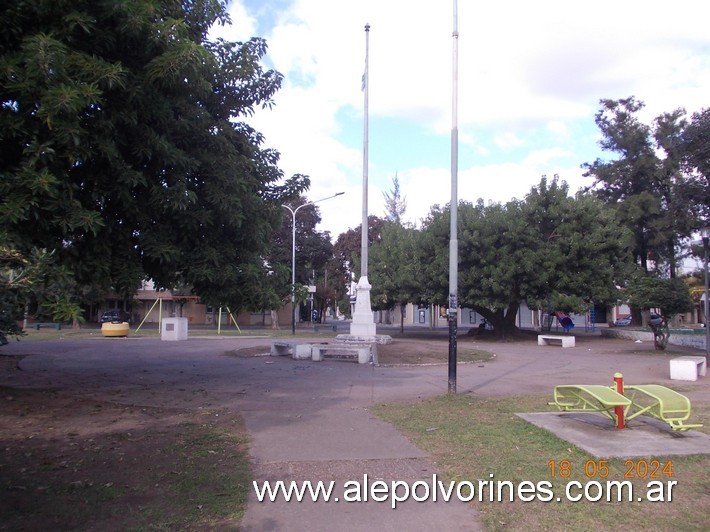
[310,420]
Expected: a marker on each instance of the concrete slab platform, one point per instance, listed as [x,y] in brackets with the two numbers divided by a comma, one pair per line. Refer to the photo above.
[643,436]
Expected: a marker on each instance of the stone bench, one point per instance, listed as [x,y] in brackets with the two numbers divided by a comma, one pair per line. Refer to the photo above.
[688,368]
[38,326]
[547,339]
[358,353]
[296,350]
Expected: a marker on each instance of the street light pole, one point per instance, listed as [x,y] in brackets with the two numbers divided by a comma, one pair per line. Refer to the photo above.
[453,229]
[293,254]
[705,234]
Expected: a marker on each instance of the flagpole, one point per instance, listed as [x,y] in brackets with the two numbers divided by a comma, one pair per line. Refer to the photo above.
[363,326]
[453,242]
[365,157]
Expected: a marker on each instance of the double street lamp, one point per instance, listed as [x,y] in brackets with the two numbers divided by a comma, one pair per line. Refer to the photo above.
[293,254]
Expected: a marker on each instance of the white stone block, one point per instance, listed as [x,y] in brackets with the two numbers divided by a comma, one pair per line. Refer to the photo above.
[173,329]
[301,351]
[687,368]
[547,339]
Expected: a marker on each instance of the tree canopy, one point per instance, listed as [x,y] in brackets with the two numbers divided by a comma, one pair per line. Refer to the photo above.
[695,153]
[348,246]
[122,145]
[646,183]
[395,271]
[395,203]
[551,250]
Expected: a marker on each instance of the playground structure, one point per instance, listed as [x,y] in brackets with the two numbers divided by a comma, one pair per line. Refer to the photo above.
[621,404]
[159,303]
[565,321]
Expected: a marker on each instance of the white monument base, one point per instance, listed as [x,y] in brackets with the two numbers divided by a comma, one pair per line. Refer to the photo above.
[363,324]
[173,329]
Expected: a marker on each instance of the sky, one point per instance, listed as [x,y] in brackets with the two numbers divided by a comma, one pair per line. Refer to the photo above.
[530,78]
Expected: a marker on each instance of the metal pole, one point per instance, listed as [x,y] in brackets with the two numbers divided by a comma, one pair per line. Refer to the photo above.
[293,271]
[365,158]
[293,254]
[706,237]
[619,410]
[453,242]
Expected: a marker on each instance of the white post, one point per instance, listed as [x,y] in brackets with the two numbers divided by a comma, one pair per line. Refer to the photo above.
[363,324]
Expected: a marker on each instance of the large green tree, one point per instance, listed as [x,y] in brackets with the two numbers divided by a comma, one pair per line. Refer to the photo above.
[670,296]
[645,182]
[695,153]
[20,277]
[395,269]
[348,246]
[551,250]
[346,256]
[123,146]
[395,203]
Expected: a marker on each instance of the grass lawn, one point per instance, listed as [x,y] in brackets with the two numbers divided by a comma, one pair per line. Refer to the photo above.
[77,463]
[472,438]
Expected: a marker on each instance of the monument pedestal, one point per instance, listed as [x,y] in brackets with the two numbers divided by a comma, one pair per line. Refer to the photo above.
[363,324]
[363,328]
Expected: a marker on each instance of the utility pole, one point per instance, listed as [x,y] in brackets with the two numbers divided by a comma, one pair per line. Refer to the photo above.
[293,253]
[453,242]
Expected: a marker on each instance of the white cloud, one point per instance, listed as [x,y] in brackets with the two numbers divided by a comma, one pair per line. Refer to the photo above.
[530,77]
[508,139]
[243,24]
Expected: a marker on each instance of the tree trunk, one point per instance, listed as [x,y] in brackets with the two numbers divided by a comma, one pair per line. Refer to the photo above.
[275,319]
[503,321]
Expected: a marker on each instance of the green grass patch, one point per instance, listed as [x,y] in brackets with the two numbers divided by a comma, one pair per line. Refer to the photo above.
[209,483]
[137,469]
[473,438]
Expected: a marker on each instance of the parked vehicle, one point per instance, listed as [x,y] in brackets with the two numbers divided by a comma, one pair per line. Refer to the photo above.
[623,321]
[115,316]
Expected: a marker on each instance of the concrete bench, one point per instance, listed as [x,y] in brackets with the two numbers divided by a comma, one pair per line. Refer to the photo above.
[688,368]
[38,326]
[297,350]
[359,353]
[332,326]
[547,339]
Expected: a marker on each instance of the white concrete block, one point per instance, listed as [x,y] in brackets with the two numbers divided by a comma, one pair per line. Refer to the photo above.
[173,329]
[547,339]
[687,368]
